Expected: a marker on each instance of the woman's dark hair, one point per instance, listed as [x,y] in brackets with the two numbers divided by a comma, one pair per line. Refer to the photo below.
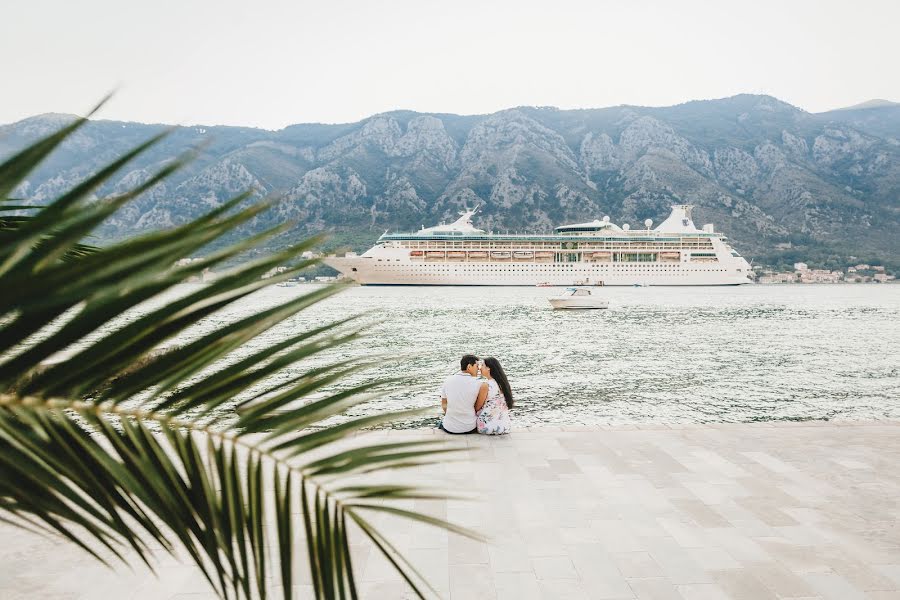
[467,359]
[499,376]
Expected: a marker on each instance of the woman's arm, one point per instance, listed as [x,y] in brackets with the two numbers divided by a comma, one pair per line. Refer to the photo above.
[482,396]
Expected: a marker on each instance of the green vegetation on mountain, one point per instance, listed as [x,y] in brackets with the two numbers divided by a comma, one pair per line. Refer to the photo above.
[766,173]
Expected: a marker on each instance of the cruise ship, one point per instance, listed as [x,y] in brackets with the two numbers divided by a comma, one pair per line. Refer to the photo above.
[594,253]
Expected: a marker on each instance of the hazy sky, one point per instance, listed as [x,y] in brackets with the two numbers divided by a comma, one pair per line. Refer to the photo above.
[271,63]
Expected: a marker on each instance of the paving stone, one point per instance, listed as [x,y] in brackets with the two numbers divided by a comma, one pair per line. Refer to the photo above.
[712,559]
[517,586]
[465,551]
[470,582]
[833,587]
[739,511]
[738,584]
[599,572]
[553,567]
[782,582]
[676,563]
[563,589]
[637,565]
[702,591]
[654,588]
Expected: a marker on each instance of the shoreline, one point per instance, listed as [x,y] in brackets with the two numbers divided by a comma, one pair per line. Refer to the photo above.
[817,423]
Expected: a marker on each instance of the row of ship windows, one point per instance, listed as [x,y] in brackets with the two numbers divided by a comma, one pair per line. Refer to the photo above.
[552,245]
[584,248]
[681,274]
[489,270]
[531,270]
[701,259]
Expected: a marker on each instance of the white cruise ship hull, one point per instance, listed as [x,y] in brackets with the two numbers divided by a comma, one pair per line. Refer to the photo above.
[367,270]
[594,253]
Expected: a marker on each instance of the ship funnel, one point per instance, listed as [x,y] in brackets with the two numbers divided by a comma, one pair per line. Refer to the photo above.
[679,221]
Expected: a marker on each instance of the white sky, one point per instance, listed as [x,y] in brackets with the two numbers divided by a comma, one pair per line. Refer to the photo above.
[270,63]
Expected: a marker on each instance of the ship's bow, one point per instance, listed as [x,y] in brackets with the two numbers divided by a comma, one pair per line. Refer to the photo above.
[347,266]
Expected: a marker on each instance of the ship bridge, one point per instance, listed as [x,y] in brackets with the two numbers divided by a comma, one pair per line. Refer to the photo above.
[595,226]
[461,226]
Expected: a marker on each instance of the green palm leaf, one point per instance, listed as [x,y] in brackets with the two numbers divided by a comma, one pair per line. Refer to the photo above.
[127,439]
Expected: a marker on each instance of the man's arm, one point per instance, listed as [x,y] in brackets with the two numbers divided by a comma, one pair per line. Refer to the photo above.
[444,405]
[482,396]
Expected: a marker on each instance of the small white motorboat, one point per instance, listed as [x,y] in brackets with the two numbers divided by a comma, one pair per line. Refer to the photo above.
[576,297]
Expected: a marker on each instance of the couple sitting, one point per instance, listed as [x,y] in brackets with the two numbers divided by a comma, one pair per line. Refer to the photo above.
[477,399]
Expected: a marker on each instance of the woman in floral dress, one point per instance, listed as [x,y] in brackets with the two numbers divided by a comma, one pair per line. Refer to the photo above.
[493,418]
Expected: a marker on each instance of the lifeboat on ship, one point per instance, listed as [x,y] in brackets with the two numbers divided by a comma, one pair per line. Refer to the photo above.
[501,255]
[478,254]
[670,256]
[456,255]
[601,255]
[434,254]
[416,254]
[523,255]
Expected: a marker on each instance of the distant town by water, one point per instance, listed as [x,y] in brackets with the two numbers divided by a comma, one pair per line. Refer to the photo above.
[802,273]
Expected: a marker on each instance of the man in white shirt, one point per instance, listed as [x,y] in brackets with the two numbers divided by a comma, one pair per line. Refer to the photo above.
[462,396]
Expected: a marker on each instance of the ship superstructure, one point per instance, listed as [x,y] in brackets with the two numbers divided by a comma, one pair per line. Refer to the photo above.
[597,252]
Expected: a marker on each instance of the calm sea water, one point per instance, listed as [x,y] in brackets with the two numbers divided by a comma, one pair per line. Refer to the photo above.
[672,355]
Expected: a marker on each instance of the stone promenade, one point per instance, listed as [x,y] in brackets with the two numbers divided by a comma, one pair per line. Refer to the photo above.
[747,512]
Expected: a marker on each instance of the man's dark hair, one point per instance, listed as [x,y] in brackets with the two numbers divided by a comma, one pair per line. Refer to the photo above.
[467,359]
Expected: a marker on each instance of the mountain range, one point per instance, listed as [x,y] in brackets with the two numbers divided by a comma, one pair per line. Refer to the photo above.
[782,183]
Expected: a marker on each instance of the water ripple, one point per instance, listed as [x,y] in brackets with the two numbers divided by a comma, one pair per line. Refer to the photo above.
[677,355]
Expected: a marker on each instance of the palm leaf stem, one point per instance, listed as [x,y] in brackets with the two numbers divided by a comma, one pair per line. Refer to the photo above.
[323,497]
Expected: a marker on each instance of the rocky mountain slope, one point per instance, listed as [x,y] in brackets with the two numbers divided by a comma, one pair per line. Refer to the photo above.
[763,171]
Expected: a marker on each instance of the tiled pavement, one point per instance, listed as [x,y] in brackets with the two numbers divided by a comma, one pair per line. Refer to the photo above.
[755,512]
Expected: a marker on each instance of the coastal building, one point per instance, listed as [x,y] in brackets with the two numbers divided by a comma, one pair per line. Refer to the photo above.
[182,262]
[820,276]
[273,272]
[800,266]
[204,276]
[779,278]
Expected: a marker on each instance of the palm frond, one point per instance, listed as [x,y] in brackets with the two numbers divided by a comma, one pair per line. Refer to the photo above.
[116,445]
[14,223]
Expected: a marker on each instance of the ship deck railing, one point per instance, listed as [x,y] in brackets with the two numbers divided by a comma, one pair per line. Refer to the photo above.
[655,236]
